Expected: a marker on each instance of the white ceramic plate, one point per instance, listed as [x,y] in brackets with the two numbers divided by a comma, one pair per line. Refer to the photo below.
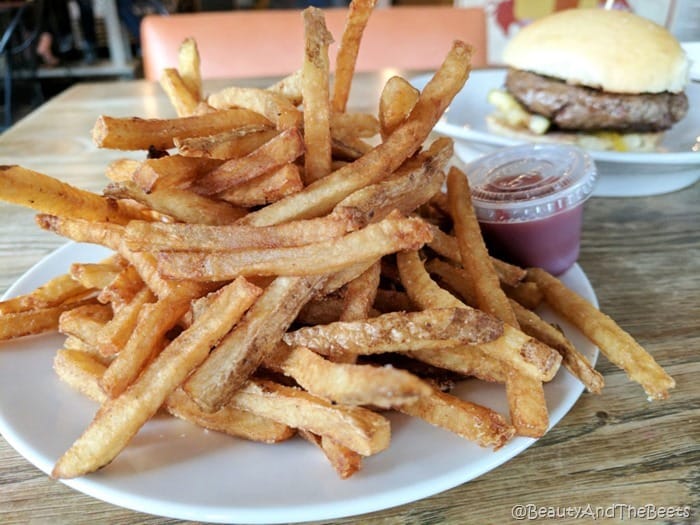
[174,469]
[622,174]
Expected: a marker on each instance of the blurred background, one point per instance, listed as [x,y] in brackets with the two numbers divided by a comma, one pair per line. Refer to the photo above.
[48,45]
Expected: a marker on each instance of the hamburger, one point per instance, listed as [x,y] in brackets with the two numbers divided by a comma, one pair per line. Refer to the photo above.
[601,79]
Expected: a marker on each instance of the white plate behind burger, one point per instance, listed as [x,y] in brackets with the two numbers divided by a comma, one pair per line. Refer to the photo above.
[623,174]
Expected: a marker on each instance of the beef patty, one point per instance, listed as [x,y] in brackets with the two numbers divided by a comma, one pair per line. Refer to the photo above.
[580,108]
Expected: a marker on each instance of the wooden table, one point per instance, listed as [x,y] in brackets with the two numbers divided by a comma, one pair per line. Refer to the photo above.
[612,451]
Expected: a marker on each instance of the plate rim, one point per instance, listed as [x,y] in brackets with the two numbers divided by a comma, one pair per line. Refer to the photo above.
[91,485]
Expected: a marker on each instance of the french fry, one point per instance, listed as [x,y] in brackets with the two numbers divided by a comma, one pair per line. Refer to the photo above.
[227,145]
[82,372]
[615,343]
[141,235]
[270,187]
[346,383]
[360,294]
[358,15]
[469,420]
[320,197]
[145,340]
[346,462]
[289,87]
[278,151]
[395,104]
[399,332]
[179,204]
[524,390]
[367,244]
[572,359]
[85,321]
[238,355]
[171,171]
[119,419]
[315,91]
[121,169]
[34,321]
[82,230]
[182,99]
[140,134]
[95,275]
[357,428]
[353,124]
[48,195]
[274,107]
[115,333]
[526,293]
[54,292]
[188,66]
[405,190]
[125,285]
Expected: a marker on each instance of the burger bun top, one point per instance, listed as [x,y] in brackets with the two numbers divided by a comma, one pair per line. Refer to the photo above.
[616,51]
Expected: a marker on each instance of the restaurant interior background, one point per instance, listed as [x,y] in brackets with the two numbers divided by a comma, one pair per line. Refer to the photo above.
[27,82]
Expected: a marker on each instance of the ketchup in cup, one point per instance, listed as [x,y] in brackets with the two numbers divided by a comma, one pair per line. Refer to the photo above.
[529,202]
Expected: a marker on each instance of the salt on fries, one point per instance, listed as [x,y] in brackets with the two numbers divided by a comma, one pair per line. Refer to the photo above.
[278,247]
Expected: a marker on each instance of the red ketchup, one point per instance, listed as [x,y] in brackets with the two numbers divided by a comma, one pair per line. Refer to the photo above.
[529,202]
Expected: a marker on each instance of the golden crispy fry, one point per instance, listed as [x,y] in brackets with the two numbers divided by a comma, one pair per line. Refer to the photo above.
[360,294]
[357,428]
[188,66]
[344,461]
[523,387]
[358,15]
[345,383]
[315,90]
[171,171]
[182,99]
[409,187]
[228,144]
[137,133]
[35,321]
[274,107]
[115,333]
[182,205]
[455,279]
[395,104]
[54,292]
[119,419]
[446,246]
[320,197]
[473,253]
[399,332]
[82,372]
[617,345]
[353,124]
[289,87]
[81,230]
[273,154]
[513,349]
[146,339]
[95,275]
[141,235]
[48,195]
[468,420]
[526,293]
[122,288]
[575,362]
[121,169]
[270,187]
[255,339]
[84,323]
[367,244]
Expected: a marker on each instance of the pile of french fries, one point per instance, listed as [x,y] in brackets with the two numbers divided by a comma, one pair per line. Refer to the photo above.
[282,266]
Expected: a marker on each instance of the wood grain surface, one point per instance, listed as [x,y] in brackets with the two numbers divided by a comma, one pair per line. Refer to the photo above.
[615,453]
